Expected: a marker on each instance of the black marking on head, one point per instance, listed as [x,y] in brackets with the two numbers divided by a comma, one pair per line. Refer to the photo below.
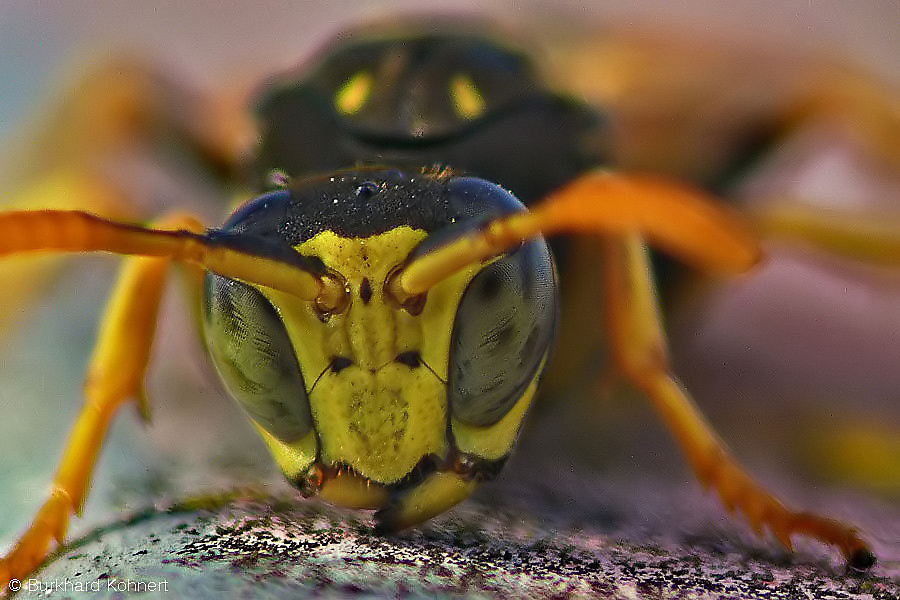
[431,202]
[334,203]
[339,363]
[365,290]
[263,246]
[410,358]
[427,465]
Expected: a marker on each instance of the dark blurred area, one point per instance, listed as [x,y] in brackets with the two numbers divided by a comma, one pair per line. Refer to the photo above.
[767,103]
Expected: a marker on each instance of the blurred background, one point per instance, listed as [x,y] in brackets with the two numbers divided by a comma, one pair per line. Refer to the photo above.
[796,364]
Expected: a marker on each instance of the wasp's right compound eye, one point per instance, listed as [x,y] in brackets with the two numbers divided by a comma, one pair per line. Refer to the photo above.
[254,357]
[504,327]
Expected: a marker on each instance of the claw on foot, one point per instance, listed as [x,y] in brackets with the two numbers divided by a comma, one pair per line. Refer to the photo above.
[31,549]
[737,490]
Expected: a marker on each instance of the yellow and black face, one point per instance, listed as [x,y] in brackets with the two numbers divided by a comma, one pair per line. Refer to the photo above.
[375,404]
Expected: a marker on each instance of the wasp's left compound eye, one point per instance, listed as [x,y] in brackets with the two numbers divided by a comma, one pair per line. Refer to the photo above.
[254,357]
[506,318]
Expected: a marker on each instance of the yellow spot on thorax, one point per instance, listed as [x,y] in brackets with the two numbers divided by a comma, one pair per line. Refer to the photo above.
[354,93]
[466,97]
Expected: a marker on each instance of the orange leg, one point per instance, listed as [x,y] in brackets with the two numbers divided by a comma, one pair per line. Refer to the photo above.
[75,231]
[117,367]
[864,106]
[115,374]
[675,218]
[625,210]
[63,188]
[639,347]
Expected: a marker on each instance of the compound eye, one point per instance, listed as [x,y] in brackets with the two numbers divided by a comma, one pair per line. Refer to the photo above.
[254,357]
[504,326]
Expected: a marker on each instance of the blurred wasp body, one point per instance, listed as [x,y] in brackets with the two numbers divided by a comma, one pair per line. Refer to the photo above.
[384,310]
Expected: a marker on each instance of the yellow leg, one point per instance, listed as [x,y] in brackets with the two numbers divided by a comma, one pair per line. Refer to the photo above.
[580,340]
[849,234]
[625,210]
[117,367]
[115,374]
[640,349]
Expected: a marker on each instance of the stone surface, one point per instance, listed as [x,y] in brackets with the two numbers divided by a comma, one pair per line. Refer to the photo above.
[591,504]
[534,547]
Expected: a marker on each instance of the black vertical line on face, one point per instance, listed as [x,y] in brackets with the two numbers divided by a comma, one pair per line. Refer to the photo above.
[365,290]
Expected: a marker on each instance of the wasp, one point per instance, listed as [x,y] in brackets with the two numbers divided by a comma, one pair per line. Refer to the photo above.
[385,306]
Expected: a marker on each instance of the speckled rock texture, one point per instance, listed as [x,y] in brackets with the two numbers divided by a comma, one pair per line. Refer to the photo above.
[279,547]
[595,502]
